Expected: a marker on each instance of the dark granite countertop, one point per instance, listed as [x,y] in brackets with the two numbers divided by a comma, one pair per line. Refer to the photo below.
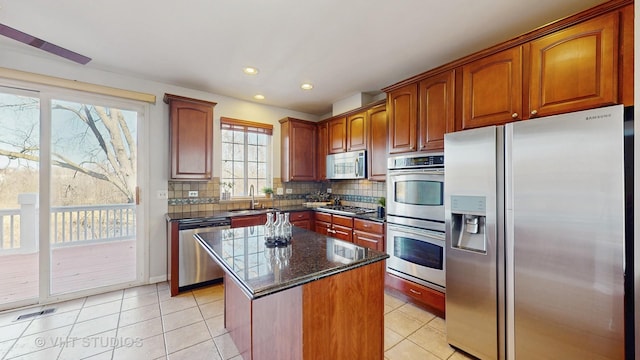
[221,214]
[262,271]
[371,217]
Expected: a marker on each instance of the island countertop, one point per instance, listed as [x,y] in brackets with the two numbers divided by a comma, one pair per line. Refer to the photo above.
[262,270]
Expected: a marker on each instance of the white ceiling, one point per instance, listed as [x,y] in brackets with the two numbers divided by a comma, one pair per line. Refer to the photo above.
[343,47]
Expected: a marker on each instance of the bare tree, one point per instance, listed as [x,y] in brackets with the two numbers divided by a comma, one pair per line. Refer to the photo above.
[107,144]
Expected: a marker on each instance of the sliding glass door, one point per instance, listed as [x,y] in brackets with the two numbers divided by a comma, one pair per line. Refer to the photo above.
[19,183]
[93,196]
[69,183]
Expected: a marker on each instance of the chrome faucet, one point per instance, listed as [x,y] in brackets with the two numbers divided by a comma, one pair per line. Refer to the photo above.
[253,199]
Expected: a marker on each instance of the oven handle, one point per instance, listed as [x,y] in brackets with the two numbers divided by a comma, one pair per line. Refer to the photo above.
[429,171]
[412,230]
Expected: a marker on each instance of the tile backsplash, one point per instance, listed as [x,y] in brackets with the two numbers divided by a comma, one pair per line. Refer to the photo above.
[362,193]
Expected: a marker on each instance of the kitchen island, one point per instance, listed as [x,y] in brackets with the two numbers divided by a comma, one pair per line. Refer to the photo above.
[316,298]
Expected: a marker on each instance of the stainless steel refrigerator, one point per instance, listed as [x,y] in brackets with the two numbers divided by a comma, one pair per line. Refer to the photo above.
[535,228]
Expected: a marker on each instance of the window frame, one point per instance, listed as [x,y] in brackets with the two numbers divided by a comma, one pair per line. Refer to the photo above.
[246,128]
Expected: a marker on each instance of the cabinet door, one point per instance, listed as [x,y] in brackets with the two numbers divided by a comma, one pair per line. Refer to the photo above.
[436,104]
[368,226]
[625,73]
[323,228]
[346,221]
[305,224]
[303,219]
[377,152]
[368,240]
[492,90]
[576,68]
[251,220]
[191,140]
[298,150]
[402,108]
[323,151]
[342,232]
[337,135]
[357,130]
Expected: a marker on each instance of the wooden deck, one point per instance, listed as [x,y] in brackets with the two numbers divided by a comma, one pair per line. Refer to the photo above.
[73,268]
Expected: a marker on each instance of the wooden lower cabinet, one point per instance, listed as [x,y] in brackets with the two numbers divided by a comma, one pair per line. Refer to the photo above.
[173,248]
[337,226]
[251,220]
[336,317]
[432,299]
[303,219]
[369,234]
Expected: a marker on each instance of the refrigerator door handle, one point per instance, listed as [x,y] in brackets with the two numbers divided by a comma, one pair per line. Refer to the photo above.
[508,243]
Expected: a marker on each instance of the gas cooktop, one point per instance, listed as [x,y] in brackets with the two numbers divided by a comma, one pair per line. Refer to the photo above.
[345,210]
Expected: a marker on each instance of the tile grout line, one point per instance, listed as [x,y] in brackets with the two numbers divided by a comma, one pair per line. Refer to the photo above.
[164,338]
[209,330]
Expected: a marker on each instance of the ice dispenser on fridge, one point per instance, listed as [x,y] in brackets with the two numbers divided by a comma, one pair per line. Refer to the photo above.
[468,217]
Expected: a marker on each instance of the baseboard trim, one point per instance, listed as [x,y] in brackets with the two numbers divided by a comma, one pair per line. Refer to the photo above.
[157,279]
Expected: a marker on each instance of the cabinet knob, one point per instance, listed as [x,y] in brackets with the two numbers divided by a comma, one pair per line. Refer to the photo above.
[534,112]
[514,115]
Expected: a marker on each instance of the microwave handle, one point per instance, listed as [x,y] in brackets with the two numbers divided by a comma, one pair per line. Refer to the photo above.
[357,161]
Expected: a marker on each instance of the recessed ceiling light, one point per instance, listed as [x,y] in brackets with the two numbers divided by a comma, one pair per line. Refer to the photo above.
[306,86]
[258,97]
[250,70]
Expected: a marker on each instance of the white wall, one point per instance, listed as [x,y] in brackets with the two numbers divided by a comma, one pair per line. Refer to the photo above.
[158,162]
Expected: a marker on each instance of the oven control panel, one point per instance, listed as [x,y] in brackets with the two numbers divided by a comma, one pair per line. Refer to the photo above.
[416,161]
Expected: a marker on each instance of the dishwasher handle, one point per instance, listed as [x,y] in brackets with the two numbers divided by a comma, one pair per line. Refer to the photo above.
[190,224]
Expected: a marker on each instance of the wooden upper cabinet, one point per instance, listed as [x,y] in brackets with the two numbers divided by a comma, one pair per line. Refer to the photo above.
[298,150]
[323,151]
[625,83]
[191,137]
[436,104]
[575,68]
[377,152]
[492,90]
[337,135]
[357,131]
[402,109]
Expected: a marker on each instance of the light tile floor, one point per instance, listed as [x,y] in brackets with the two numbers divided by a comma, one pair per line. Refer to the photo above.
[147,323]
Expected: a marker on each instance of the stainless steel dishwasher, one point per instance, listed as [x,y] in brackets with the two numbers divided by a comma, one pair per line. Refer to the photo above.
[195,266]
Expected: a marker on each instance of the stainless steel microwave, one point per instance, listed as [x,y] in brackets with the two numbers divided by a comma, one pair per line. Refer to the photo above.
[347,165]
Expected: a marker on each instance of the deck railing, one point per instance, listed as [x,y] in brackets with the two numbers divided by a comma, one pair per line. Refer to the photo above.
[70,225]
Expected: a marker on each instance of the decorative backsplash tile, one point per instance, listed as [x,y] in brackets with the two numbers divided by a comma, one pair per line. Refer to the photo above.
[361,193]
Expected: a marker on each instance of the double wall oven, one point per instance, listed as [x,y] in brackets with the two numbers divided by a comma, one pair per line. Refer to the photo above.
[415,218]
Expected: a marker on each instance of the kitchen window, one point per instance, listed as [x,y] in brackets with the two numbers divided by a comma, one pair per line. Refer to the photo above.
[246,156]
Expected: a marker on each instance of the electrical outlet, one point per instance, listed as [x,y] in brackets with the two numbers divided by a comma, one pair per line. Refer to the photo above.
[279,191]
[289,191]
[193,194]
[163,194]
[328,190]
